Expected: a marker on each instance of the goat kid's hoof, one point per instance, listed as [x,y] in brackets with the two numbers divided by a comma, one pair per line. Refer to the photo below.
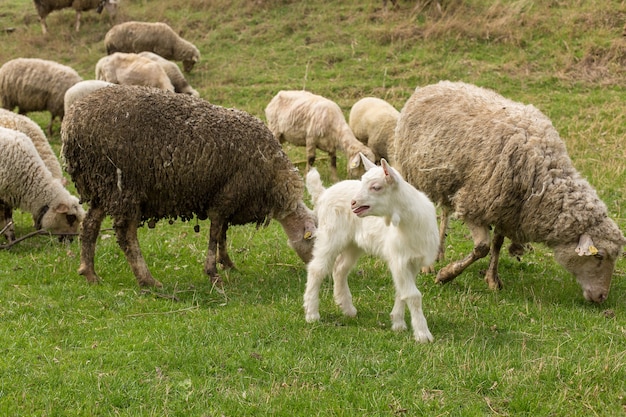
[398,327]
[423,337]
[312,317]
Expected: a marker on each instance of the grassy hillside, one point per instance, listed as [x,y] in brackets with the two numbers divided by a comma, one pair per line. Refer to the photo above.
[534,348]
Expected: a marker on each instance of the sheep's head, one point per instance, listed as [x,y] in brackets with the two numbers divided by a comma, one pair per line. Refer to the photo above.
[592,264]
[300,227]
[61,218]
[109,5]
[355,166]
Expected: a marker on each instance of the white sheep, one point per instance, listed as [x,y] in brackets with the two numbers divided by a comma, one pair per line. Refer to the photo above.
[132,69]
[154,37]
[173,72]
[373,122]
[82,89]
[44,7]
[500,165]
[27,184]
[381,215]
[33,84]
[23,124]
[306,119]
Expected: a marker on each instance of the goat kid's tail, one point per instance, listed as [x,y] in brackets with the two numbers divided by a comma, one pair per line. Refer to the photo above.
[314,185]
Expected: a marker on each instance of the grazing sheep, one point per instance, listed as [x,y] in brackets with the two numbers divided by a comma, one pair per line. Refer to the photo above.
[23,124]
[381,215]
[173,72]
[26,183]
[140,154]
[81,89]
[373,122]
[44,7]
[34,84]
[154,37]
[502,165]
[132,69]
[306,119]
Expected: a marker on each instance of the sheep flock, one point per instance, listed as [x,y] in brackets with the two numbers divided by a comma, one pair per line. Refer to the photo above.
[140,144]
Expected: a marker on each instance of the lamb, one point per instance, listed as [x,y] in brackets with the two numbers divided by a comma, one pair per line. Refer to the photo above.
[502,164]
[132,69]
[154,37]
[140,154]
[45,7]
[373,122]
[81,89]
[34,84]
[313,121]
[381,215]
[26,183]
[173,72]
[11,120]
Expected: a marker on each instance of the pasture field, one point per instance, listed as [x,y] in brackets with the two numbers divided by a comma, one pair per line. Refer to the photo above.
[535,348]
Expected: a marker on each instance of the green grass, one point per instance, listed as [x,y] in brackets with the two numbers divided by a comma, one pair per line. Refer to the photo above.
[536,348]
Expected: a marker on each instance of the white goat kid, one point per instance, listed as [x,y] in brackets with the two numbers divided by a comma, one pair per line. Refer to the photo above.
[381,215]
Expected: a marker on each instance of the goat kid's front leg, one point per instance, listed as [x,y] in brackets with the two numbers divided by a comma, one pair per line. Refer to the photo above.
[320,266]
[343,297]
[126,234]
[90,229]
[481,237]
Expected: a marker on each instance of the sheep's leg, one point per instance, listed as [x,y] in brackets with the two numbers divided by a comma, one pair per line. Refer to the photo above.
[126,234]
[491,276]
[90,229]
[78,16]
[408,294]
[443,228]
[7,222]
[320,266]
[310,156]
[222,250]
[480,235]
[344,263]
[333,165]
[210,264]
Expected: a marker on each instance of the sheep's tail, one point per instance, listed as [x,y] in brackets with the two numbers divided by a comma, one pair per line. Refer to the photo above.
[314,185]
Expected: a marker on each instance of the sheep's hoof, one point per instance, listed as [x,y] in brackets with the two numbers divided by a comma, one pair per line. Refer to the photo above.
[430,269]
[149,282]
[493,280]
[89,275]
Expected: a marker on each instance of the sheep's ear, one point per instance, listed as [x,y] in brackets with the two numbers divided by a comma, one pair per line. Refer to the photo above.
[390,175]
[61,208]
[585,246]
[367,164]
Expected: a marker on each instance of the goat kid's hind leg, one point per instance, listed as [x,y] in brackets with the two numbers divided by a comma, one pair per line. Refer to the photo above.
[408,294]
[126,234]
[90,229]
[343,297]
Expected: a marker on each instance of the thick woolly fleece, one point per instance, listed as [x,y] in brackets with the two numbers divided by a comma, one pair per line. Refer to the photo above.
[27,184]
[23,124]
[158,37]
[373,122]
[34,84]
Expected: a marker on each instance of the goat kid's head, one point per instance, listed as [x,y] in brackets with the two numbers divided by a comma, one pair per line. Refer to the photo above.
[377,185]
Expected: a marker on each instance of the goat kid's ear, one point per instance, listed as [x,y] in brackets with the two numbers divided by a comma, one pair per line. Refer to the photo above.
[367,164]
[390,175]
